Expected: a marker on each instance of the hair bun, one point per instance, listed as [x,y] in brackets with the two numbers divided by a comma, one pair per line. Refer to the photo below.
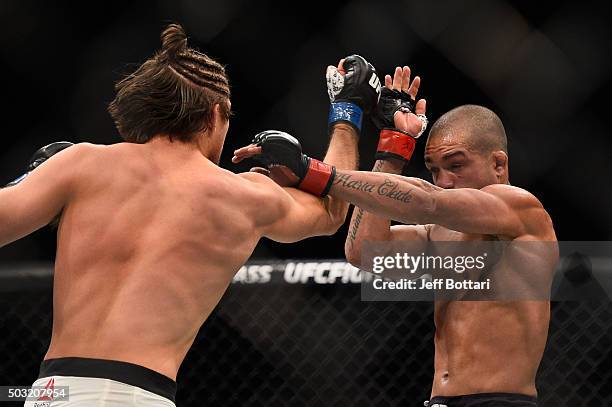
[173,39]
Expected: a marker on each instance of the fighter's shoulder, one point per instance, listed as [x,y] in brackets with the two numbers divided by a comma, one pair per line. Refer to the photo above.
[83,150]
[265,191]
[526,205]
[107,153]
[254,177]
[83,161]
[259,182]
[516,197]
[74,155]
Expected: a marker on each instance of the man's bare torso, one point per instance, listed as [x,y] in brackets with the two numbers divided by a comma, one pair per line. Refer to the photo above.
[146,248]
[489,346]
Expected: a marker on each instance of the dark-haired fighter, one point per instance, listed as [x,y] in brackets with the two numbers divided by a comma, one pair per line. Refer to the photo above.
[486,352]
[152,230]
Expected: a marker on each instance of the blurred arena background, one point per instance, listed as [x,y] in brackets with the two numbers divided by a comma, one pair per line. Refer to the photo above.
[544,67]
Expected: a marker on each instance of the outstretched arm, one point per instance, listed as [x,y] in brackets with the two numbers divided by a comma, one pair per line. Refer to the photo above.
[495,209]
[354,90]
[288,214]
[40,197]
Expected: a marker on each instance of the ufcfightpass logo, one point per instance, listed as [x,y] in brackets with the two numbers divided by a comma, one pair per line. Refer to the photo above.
[322,273]
[254,273]
[307,272]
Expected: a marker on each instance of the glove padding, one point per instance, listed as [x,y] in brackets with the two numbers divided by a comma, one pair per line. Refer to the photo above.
[393,142]
[354,93]
[40,156]
[282,149]
[391,101]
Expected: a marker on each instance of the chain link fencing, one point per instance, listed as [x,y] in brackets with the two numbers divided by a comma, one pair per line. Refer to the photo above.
[305,338]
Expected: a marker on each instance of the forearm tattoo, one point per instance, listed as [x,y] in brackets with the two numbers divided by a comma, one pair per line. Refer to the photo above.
[391,190]
[345,181]
[388,188]
[352,234]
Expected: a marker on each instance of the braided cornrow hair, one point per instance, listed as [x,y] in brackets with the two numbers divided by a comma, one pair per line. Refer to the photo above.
[171,94]
[190,63]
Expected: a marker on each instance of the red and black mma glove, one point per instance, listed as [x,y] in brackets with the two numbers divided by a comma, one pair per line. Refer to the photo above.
[280,149]
[40,156]
[393,142]
[353,94]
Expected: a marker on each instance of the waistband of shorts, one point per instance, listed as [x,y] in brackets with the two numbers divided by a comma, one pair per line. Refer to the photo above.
[124,372]
[509,397]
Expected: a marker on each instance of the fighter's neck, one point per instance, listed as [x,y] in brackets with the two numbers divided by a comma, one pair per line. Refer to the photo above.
[200,145]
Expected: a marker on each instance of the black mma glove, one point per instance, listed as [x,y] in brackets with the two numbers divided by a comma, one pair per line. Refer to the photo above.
[354,93]
[40,156]
[281,149]
[393,142]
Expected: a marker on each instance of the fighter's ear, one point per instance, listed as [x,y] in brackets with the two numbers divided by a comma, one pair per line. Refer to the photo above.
[215,116]
[500,162]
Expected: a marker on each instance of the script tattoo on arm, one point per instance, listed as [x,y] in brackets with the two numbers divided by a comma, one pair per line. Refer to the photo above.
[384,195]
[388,188]
[345,181]
[352,234]
[391,190]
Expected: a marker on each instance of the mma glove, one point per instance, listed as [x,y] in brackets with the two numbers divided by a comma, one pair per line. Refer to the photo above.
[353,94]
[280,149]
[393,142]
[40,156]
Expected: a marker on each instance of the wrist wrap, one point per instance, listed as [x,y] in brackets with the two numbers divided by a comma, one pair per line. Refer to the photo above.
[395,143]
[319,178]
[346,112]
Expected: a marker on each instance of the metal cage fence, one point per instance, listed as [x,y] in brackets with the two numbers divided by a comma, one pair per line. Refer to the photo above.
[315,343]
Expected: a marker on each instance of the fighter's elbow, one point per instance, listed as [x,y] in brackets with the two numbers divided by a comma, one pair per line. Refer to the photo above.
[335,216]
[333,224]
[352,254]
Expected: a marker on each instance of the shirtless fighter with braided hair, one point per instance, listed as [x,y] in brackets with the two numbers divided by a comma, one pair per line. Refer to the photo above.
[151,231]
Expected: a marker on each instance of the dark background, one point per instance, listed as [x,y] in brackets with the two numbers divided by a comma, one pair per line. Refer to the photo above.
[544,68]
